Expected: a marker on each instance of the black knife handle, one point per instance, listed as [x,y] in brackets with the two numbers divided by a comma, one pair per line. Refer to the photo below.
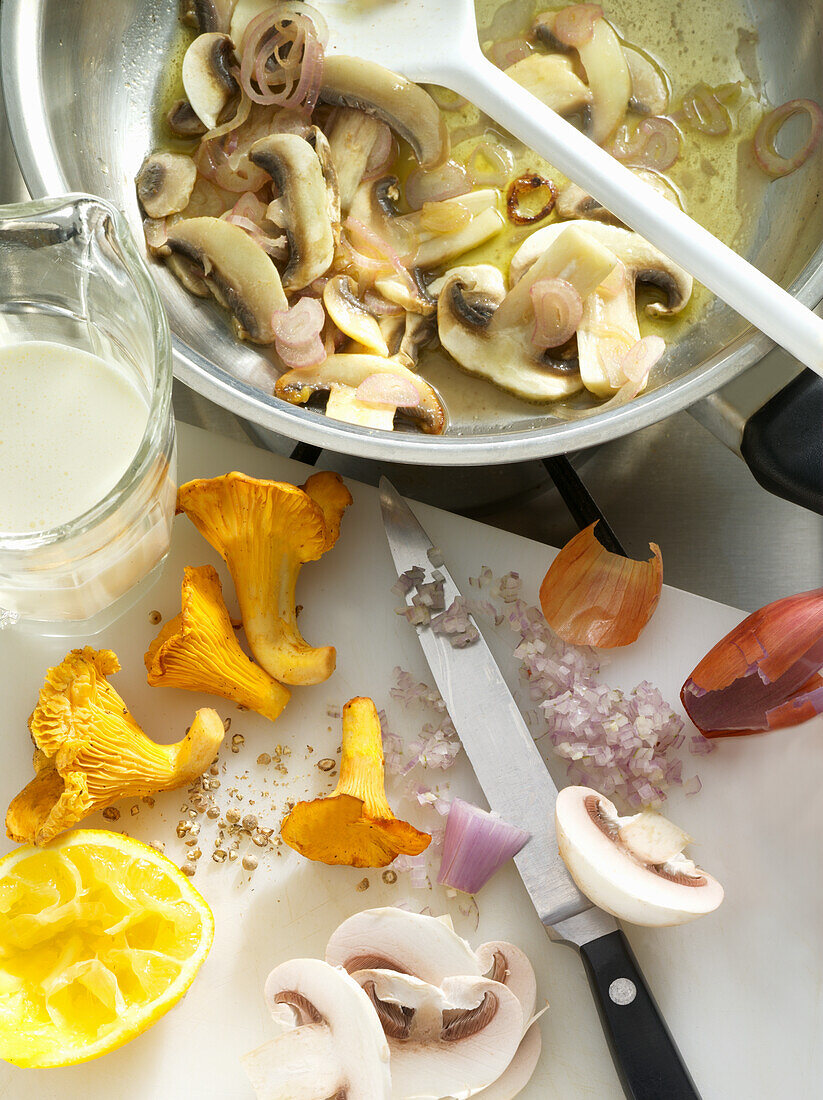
[645,1056]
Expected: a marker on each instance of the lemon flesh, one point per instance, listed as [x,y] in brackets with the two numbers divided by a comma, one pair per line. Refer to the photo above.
[100,935]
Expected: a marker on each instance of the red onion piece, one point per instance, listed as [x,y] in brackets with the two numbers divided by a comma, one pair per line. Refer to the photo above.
[558,310]
[640,358]
[510,50]
[477,844]
[388,389]
[528,187]
[574,26]
[297,333]
[765,151]
[765,674]
[655,144]
[282,57]
[377,304]
[490,164]
[249,206]
[240,116]
[703,111]
[213,162]
[382,154]
[383,259]
[435,184]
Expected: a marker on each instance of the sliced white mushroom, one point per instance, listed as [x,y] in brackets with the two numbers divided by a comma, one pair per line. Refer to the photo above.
[335,1046]
[607,331]
[351,316]
[607,74]
[448,1040]
[207,77]
[320,143]
[183,121]
[505,963]
[451,227]
[352,137]
[295,167]
[650,86]
[238,272]
[553,80]
[519,1071]
[347,372]
[407,108]
[575,202]
[209,15]
[165,183]
[646,263]
[605,856]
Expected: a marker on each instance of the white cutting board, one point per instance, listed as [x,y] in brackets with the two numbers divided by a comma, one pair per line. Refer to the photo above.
[741,989]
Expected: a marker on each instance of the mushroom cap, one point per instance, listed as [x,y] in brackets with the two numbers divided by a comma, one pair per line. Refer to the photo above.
[350,369]
[165,183]
[339,1023]
[91,752]
[239,273]
[645,263]
[198,651]
[207,78]
[448,1040]
[407,108]
[295,167]
[612,877]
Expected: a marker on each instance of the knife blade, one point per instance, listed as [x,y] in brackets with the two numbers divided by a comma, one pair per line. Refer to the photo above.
[517,785]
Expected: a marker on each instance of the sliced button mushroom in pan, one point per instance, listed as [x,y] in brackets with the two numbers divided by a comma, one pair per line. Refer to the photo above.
[633,867]
[553,80]
[183,121]
[295,167]
[320,143]
[209,15]
[335,1046]
[650,87]
[342,375]
[207,76]
[239,273]
[607,73]
[407,108]
[351,316]
[352,137]
[165,183]
[448,1040]
[450,227]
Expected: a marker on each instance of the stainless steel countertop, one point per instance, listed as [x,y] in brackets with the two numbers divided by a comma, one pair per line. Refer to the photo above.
[722,536]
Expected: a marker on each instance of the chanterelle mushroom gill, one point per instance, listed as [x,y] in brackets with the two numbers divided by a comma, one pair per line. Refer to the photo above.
[89,751]
[265,531]
[633,867]
[337,1048]
[609,325]
[448,1040]
[354,825]
[488,331]
[198,650]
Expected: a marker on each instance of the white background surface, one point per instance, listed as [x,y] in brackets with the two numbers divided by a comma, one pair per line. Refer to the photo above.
[741,989]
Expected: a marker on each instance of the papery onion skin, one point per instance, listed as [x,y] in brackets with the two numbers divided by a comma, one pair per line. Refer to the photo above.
[590,596]
[765,152]
[558,310]
[574,26]
[765,673]
[477,844]
[526,185]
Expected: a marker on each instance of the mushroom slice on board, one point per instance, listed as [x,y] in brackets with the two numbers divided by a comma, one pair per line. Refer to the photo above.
[407,108]
[295,167]
[519,1071]
[165,183]
[507,964]
[239,273]
[632,867]
[575,202]
[334,1047]
[351,316]
[553,80]
[489,332]
[448,1040]
[207,77]
[607,73]
[346,372]
[352,137]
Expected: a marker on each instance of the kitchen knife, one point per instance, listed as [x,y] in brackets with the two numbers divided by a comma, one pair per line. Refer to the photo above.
[517,785]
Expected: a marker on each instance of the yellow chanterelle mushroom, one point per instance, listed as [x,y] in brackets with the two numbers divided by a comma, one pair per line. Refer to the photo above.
[198,651]
[89,751]
[265,531]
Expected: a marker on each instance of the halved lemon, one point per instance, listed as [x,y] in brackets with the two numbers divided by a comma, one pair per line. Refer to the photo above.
[100,935]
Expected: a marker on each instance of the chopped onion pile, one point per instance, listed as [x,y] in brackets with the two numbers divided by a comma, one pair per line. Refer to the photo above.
[297,333]
[453,621]
[476,845]
[621,744]
[765,139]
[282,57]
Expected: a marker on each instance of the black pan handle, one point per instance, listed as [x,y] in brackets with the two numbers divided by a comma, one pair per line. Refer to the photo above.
[783,442]
[645,1056]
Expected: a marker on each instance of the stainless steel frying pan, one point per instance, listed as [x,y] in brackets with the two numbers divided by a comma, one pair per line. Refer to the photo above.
[82,82]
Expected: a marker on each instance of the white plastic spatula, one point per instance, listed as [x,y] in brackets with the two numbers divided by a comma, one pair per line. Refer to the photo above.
[435,42]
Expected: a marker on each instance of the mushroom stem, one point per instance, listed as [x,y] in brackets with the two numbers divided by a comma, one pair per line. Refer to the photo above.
[361,764]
